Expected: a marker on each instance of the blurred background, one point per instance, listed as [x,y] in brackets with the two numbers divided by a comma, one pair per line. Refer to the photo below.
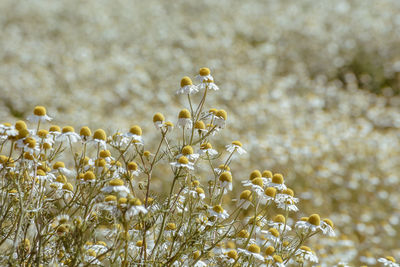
[312,89]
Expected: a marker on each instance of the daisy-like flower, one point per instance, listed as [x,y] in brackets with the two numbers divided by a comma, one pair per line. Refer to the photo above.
[277,182]
[267,175]
[85,133]
[220,118]
[158,120]
[188,152]
[287,205]
[269,252]
[307,254]
[184,119]
[310,224]
[268,196]
[219,212]
[245,199]
[204,75]
[91,257]
[55,130]
[277,261]
[187,87]
[135,134]
[272,235]
[28,144]
[116,186]
[206,148]
[99,139]
[235,146]
[257,185]
[198,192]
[7,129]
[68,135]
[327,227]
[287,195]
[225,179]
[389,261]
[252,251]
[39,114]
[279,223]
[43,176]
[135,207]
[132,167]
[59,167]
[222,168]
[209,84]
[200,127]
[230,257]
[183,162]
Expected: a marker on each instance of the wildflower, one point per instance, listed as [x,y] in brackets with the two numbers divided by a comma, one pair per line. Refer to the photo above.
[183,162]
[209,84]
[252,250]
[279,222]
[187,87]
[389,261]
[158,120]
[99,138]
[43,176]
[85,133]
[225,179]
[219,212]
[200,127]
[277,182]
[39,114]
[269,252]
[188,152]
[307,254]
[220,118]
[269,195]
[206,148]
[204,75]
[222,168]
[257,185]
[184,119]
[68,134]
[135,208]
[116,186]
[312,224]
[133,168]
[135,134]
[235,146]
[277,261]
[327,227]
[245,199]
[8,129]
[272,235]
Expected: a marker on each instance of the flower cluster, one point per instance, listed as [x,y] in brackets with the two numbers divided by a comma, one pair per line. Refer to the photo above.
[81,198]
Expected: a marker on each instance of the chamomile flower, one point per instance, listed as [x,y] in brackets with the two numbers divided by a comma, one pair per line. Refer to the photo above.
[184,119]
[389,261]
[225,179]
[235,146]
[218,212]
[277,182]
[312,224]
[204,75]
[59,167]
[135,134]
[327,227]
[305,253]
[135,208]
[187,87]
[99,139]
[278,222]
[272,235]
[116,186]
[220,118]
[183,162]
[268,196]
[277,261]
[43,176]
[245,199]
[209,84]
[132,167]
[206,148]
[200,127]
[252,251]
[8,129]
[269,252]
[256,185]
[39,114]
[188,152]
[68,135]
[158,120]
[222,168]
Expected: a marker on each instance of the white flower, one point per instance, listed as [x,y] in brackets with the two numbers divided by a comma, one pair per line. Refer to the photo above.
[307,254]
[68,135]
[187,87]
[116,186]
[209,84]
[327,228]
[219,212]
[312,224]
[204,75]
[389,261]
[235,146]
[39,114]
[8,130]
[252,250]
[135,208]
[183,162]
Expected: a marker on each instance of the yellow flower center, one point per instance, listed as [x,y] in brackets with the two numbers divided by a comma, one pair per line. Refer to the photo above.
[42,133]
[183,160]
[218,209]
[225,177]
[329,222]
[199,190]
[222,113]
[171,226]
[110,198]
[132,166]
[305,248]
[258,181]
[278,258]
[39,111]
[269,250]
[279,218]
[288,191]
[237,143]
[184,114]
[61,179]
[116,182]
[255,174]
[68,186]
[390,258]
[136,130]
[100,134]
[224,167]
[85,131]
[270,191]
[274,232]
[204,71]
[277,178]
[232,254]
[135,202]
[254,248]
[314,219]
[246,194]
[186,81]
[20,125]
[105,153]
[89,175]
[199,125]
[243,234]
[55,128]
[187,150]
[267,174]
[158,117]
[68,129]
[58,164]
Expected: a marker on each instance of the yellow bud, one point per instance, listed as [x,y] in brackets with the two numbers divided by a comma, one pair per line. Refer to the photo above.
[39,111]
[42,133]
[199,125]
[132,166]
